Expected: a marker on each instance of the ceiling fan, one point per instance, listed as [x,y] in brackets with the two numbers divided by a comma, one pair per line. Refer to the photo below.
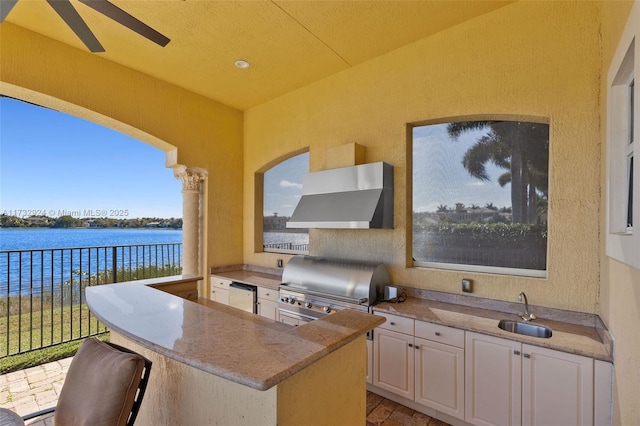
[70,15]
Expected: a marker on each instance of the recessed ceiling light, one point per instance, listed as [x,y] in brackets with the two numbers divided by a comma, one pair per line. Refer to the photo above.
[242,63]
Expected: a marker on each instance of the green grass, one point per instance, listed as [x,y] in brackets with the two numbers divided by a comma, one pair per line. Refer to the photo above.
[42,356]
[39,329]
[46,326]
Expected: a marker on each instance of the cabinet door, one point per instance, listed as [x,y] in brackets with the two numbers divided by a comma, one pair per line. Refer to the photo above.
[219,289]
[369,361]
[557,388]
[289,320]
[440,377]
[268,309]
[220,295]
[493,385]
[394,362]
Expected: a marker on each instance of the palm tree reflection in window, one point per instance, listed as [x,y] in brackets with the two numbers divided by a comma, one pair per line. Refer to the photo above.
[505,167]
[519,147]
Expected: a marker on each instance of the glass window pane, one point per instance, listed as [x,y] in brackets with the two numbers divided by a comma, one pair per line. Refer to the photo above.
[480,194]
[282,191]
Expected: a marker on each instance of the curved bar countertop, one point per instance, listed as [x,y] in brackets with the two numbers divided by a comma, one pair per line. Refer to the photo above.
[236,345]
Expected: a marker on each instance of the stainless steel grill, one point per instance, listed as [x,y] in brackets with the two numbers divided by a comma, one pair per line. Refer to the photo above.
[316,286]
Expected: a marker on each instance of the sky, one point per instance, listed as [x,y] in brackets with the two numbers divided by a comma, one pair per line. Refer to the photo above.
[439,177]
[283,185]
[53,163]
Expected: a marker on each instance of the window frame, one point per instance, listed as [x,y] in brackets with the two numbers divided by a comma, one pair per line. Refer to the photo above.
[629,152]
[497,270]
[260,202]
[623,124]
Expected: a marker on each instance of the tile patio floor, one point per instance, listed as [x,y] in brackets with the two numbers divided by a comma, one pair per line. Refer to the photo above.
[33,389]
[384,412]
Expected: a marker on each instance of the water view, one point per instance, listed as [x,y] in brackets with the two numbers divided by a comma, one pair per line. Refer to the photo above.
[46,238]
[33,259]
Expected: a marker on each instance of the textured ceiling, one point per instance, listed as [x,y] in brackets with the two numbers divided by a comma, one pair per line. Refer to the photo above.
[289,44]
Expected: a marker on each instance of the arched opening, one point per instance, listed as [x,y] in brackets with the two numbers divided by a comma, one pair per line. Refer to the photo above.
[80,205]
[278,190]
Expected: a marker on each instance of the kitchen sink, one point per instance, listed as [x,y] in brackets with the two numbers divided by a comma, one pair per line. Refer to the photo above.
[526,329]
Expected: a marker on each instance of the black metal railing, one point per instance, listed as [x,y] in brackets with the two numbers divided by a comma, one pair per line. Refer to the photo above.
[286,247]
[42,300]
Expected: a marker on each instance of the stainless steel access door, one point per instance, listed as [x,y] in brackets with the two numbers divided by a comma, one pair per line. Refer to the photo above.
[243,297]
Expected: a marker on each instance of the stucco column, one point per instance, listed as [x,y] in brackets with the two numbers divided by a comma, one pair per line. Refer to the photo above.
[192,179]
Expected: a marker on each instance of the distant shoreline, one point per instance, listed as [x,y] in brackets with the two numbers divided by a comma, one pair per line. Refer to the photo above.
[150,228]
[288,231]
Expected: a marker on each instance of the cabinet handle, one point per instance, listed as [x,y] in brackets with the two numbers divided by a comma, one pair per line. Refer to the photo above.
[526,356]
[417,347]
[410,345]
[516,352]
[392,323]
[437,333]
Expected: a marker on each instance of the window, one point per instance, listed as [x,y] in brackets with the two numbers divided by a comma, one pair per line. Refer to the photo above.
[480,196]
[282,186]
[622,243]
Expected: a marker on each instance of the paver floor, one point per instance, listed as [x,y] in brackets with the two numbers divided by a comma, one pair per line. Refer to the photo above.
[384,412]
[33,389]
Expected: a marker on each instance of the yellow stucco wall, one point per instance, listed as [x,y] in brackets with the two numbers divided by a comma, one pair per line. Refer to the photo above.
[542,59]
[619,304]
[206,134]
[536,59]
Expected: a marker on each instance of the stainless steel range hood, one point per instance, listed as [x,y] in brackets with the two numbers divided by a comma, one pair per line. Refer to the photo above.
[358,197]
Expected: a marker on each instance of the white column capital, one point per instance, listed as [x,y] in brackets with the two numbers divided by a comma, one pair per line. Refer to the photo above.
[191,177]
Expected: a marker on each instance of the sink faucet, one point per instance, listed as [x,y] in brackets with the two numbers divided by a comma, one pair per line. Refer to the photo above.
[527,316]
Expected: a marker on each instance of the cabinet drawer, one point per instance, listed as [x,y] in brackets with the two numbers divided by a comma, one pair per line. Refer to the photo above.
[396,323]
[440,333]
[219,282]
[269,294]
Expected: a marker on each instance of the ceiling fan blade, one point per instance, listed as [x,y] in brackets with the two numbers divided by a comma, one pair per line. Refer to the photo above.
[5,8]
[114,12]
[73,19]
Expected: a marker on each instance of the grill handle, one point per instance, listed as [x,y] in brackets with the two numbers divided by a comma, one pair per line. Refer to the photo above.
[319,294]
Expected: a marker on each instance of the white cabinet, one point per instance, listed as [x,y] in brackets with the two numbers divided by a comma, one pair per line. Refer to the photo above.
[439,368]
[509,383]
[268,303]
[219,288]
[422,362]
[369,361]
[557,388]
[290,319]
[394,362]
[493,380]
[267,298]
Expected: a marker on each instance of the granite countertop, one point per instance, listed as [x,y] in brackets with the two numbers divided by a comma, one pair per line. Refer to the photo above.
[233,344]
[259,279]
[173,279]
[581,339]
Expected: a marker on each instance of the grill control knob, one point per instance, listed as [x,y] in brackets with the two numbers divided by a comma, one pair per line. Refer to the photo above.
[284,299]
[307,305]
[292,301]
[326,309]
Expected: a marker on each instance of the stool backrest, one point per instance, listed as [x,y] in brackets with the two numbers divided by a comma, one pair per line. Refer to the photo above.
[105,385]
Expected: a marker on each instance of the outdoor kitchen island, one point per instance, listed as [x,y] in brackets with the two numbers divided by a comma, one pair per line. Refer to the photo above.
[218,365]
